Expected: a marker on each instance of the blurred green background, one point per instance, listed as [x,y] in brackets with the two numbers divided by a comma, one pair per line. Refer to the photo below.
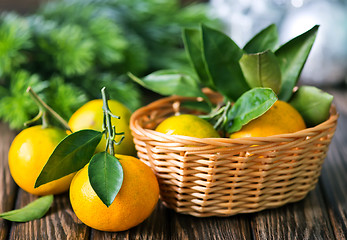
[67,50]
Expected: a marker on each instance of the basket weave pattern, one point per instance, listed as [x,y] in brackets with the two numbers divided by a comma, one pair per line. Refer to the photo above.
[222,176]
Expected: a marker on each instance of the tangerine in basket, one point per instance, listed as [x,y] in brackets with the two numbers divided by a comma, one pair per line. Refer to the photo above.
[28,154]
[279,119]
[90,116]
[134,202]
[187,125]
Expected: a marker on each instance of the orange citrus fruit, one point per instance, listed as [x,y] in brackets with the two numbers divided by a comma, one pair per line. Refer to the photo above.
[187,125]
[28,154]
[134,202]
[90,116]
[279,119]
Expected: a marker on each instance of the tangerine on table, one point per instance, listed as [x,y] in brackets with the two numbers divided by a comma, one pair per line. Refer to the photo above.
[28,154]
[187,125]
[90,116]
[134,202]
[279,119]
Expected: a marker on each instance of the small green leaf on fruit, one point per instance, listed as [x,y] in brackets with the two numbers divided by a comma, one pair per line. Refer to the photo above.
[34,210]
[106,176]
[266,39]
[249,106]
[313,104]
[71,154]
[262,70]
[171,82]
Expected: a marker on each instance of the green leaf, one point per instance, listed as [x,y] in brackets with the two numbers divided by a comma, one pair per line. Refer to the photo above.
[204,106]
[32,211]
[222,56]
[292,57]
[249,106]
[262,70]
[193,46]
[71,154]
[106,176]
[266,39]
[313,104]
[170,82]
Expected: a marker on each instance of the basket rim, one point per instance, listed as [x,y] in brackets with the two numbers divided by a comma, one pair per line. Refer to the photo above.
[135,126]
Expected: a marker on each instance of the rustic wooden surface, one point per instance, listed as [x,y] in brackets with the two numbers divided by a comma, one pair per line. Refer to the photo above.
[321,215]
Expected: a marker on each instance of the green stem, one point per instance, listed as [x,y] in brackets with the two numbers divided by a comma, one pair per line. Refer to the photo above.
[223,117]
[107,118]
[44,108]
[214,113]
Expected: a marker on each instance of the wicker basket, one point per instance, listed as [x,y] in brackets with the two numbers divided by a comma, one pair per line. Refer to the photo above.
[222,176]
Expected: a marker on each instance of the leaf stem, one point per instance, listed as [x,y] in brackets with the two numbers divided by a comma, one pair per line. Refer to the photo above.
[44,108]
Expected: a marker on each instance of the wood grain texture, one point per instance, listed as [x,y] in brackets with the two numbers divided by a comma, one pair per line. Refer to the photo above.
[334,180]
[59,223]
[8,188]
[157,226]
[164,223]
[307,219]
[189,227]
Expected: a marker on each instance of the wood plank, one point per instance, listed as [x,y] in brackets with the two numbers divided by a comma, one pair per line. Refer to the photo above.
[59,223]
[7,185]
[164,223]
[334,179]
[189,227]
[155,227]
[306,219]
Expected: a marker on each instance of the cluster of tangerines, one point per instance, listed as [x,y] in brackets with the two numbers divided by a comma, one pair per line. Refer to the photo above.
[139,192]
[250,80]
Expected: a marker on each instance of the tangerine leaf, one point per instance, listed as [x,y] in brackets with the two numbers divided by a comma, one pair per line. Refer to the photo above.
[222,57]
[251,105]
[171,82]
[292,57]
[192,39]
[32,211]
[71,154]
[106,176]
[262,70]
[203,107]
[313,104]
[266,39]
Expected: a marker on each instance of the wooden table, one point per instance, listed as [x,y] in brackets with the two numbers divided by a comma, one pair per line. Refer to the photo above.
[321,215]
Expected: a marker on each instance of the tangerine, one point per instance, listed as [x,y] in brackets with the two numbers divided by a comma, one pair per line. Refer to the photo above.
[134,202]
[90,116]
[187,125]
[279,119]
[28,154]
